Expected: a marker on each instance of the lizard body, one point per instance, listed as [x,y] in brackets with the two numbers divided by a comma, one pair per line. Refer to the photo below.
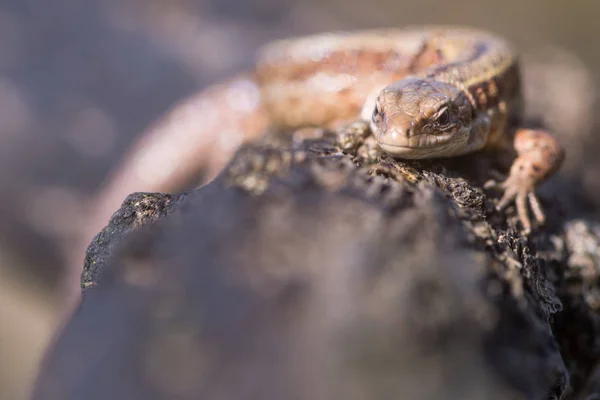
[428,92]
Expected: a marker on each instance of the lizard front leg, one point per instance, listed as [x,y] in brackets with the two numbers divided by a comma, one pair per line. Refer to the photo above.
[539,156]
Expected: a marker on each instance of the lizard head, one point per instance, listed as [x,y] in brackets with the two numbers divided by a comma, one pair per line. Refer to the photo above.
[421,118]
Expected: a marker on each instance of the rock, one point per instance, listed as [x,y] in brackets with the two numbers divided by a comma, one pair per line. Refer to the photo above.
[322,269]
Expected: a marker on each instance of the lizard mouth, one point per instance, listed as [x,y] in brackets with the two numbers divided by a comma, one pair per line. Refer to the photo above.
[423,141]
[421,146]
[407,152]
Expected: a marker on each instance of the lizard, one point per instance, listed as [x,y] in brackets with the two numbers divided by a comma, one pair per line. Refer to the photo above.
[426,92]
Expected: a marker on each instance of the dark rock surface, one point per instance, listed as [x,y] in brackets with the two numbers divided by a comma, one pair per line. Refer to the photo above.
[138,209]
[308,272]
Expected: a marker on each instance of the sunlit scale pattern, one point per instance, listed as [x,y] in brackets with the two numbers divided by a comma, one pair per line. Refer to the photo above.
[343,70]
[340,72]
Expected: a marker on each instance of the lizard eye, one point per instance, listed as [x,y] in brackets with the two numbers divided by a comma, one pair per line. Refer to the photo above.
[377,113]
[443,117]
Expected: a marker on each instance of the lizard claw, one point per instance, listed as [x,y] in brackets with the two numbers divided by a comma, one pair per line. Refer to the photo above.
[521,192]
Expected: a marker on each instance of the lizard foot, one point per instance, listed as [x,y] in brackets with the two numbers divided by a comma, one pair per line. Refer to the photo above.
[520,192]
[539,156]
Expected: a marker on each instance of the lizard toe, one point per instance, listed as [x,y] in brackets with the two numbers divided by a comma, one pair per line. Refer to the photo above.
[521,192]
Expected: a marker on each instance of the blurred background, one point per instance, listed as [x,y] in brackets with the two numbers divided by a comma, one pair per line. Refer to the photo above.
[79,79]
